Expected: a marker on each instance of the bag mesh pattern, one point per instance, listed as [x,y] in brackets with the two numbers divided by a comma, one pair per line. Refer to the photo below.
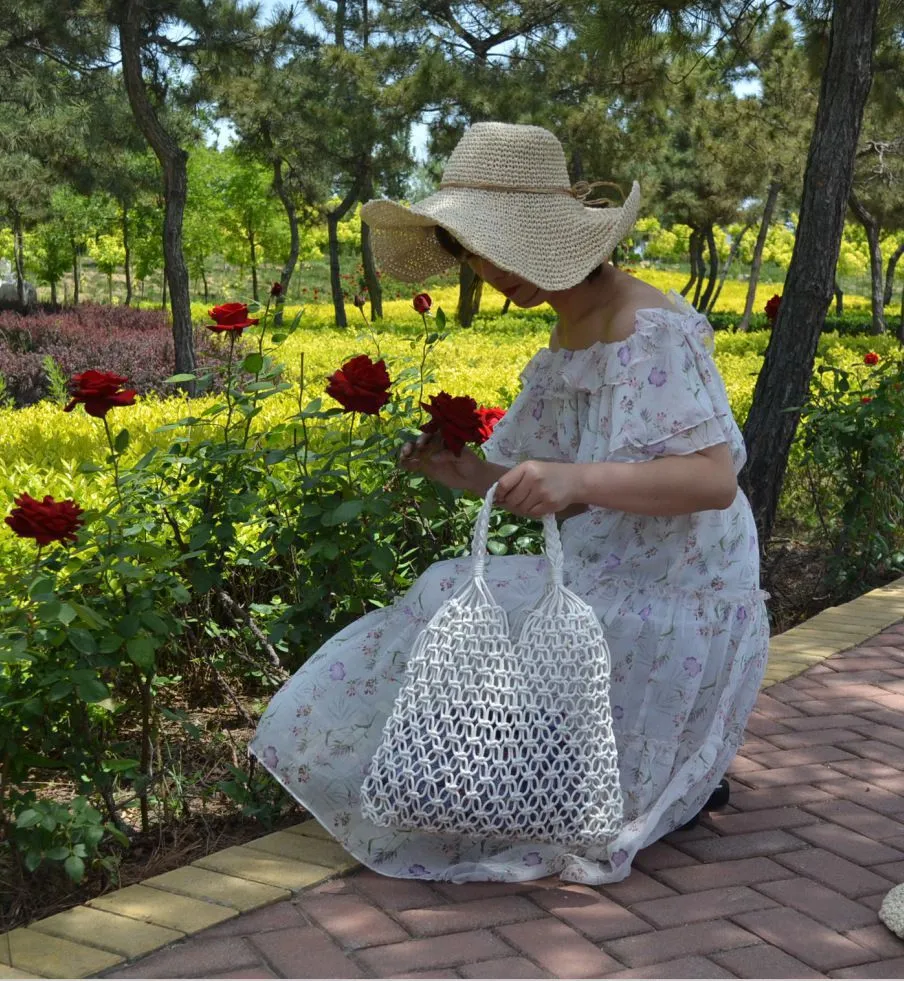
[500,738]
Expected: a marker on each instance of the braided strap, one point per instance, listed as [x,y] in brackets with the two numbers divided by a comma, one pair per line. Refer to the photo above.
[496,739]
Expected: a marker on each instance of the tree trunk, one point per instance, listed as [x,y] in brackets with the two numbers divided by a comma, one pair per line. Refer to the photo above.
[332,222]
[173,160]
[839,298]
[729,262]
[204,281]
[713,269]
[19,260]
[871,227]
[374,288]
[294,241]
[890,274]
[901,321]
[470,291]
[163,294]
[784,380]
[692,255]
[126,242]
[701,267]
[76,277]
[252,250]
[505,306]
[768,210]
[53,292]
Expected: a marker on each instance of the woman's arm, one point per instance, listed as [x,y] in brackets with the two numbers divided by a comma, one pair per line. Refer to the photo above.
[671,485]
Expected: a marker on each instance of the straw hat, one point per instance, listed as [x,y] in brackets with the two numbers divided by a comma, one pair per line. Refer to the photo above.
[505,195]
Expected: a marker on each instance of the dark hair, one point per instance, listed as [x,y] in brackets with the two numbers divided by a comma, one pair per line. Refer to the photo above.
[450,243]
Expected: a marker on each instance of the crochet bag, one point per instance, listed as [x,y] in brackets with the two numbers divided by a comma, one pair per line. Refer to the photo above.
[496,737]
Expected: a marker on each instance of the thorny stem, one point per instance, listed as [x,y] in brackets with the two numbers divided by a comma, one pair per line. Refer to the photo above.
[115,457]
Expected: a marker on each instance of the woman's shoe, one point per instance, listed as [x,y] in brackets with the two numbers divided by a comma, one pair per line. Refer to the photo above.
[717,799]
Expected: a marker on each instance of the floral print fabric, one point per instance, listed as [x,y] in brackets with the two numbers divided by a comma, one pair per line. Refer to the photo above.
[678,597]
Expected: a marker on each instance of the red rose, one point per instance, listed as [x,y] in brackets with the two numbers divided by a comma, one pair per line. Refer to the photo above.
[422,303]
[456,418]
[866,399]
[230,317]
[488,419]
[45,521]
[276,289]
[870,358]
[99,391]
[771,308]
[361,385]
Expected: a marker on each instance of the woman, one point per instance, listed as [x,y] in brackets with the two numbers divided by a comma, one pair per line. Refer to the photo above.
[623,428]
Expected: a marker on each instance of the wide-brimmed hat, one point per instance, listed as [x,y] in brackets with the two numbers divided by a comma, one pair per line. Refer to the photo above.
[505,195]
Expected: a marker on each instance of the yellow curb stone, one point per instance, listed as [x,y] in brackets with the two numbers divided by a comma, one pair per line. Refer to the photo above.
[303,849]
[163,909]
[249,863]
[312,829]
[9,973]
[217,887]
[119,934]
[51,957]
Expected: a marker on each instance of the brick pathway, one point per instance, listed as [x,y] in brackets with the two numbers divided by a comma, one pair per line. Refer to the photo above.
[784,883]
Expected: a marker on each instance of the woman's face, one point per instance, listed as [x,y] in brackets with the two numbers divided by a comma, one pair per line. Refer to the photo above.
[519,291]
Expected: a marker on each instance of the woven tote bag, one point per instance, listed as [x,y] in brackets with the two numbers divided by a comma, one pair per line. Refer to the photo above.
[500,737]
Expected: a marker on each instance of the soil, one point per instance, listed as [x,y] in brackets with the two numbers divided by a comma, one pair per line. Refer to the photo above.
[793,573]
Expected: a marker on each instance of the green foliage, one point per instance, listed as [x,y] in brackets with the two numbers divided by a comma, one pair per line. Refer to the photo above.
[853,455]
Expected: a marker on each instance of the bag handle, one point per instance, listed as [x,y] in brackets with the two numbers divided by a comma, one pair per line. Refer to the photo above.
[553,543]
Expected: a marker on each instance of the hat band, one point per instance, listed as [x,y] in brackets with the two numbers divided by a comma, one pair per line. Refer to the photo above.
[580,191]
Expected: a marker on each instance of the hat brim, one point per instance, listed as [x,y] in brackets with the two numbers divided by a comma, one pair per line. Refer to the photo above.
[550,240]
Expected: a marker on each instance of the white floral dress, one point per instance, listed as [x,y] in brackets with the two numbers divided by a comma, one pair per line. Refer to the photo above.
[678,597]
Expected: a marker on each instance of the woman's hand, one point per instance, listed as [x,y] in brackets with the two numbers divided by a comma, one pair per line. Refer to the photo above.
[428,455]
[535,488]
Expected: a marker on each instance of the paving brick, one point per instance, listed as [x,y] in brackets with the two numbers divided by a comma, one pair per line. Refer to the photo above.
[832,706]
[215,887]
[743,764]
[559,949]
[448,973]
[775,797]
[809,723]
[466,891]
[814,737]
[754,745]
[661,856]
[865,676]
[279,916]
[352,921]
[259,866]
[764,961]
[804,938]
[710,904]
[637,888]
[783,775]
[893,871]
[684,967]
[761,725]
[683,941]
[765,819]
[504,967]
[304,952]
[51,957]
[879,969]
[787,693]
[849,844]
[460,917]
[595,916]
[873,902]
[882,714]
[757,843]
[97,928]
[450,950]
[879,939]
[248,972]
[868,661]
[885,734]
[820,902]
[195,957]
[774,708]
[163,908]
[868,771]
[743,872]
[305,848]
[835,872]
[861,819]
[395,893]
[868,795]
[883,752]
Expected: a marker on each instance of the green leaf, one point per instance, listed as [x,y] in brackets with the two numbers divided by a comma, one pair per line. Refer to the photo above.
[175,379]
[82,640]
[88,467]
[32,860]
[440,318]
[347,511]
[507,530]
[41,589]
[67,613]
[496,548]
[253,363]
[383,558]
[75,868]
[58,854]
[120,766]
[92,691]
[141,652]
[28,818]
[121,441]
[146,459]
[155,623]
